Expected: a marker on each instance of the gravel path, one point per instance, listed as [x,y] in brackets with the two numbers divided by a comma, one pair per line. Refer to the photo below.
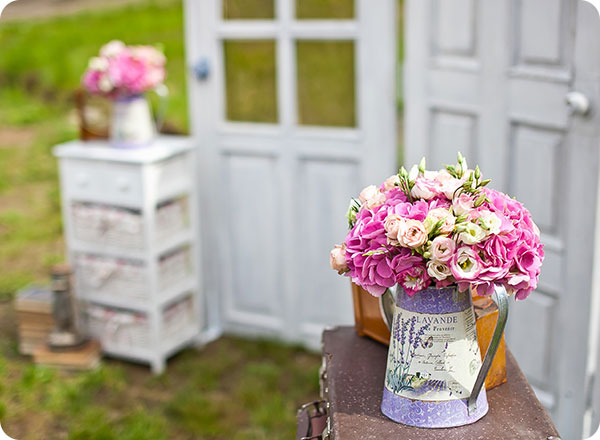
[24,9]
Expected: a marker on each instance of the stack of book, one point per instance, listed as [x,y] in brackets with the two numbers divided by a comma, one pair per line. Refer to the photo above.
[84,357]
[33,305]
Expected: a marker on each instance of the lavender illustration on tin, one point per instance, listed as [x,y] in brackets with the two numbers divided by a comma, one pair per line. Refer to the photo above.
[408,340]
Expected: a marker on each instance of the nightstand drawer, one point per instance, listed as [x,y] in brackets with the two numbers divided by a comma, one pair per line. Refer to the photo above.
[113,183]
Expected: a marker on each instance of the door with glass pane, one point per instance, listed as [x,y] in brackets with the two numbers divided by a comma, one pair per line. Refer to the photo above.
[293,108]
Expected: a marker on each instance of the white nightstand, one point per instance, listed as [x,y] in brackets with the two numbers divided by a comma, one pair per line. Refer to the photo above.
[130,221]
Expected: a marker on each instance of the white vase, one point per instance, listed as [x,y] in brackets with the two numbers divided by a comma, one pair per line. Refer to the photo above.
[132,125]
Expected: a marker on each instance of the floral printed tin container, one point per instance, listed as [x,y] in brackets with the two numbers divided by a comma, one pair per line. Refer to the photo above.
[433,360]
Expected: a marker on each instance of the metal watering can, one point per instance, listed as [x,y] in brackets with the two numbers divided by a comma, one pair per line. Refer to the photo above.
[435,376]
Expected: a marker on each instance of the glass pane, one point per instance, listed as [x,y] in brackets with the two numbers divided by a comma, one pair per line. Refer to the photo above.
[248,9]
[250,81]
[315,9]
[326,83]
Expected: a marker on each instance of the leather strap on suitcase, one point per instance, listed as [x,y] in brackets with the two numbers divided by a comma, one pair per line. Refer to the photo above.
[312,421]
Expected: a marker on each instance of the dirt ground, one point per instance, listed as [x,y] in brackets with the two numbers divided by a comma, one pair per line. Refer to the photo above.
[23,9]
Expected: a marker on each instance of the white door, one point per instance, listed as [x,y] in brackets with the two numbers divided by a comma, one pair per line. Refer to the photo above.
[293,108]
[490,78]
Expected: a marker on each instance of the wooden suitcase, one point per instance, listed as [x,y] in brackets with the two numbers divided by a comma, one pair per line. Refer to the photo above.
[352,377]
[369,321]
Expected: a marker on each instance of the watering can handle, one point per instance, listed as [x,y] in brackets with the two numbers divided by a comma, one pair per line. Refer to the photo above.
[162,91]
[501,298]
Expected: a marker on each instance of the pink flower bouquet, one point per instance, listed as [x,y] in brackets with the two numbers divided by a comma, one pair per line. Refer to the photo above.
[443,228]
[122,71]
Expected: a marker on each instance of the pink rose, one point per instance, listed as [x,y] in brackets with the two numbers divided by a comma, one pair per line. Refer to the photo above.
[424,189]
[337,258]
[463,204]
[391,182]
[392,226]
[371,197]
[437,214]
[448,184]
[442,249]
[412,234]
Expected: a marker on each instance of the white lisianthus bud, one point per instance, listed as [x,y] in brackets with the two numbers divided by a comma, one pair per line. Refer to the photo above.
[413,173]
[472,234]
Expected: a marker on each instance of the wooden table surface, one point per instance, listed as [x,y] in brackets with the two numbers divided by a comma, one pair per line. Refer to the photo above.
[355,369]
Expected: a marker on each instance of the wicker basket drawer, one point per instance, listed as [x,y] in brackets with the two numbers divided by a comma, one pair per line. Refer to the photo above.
[121,329]
[100,275]
[120,227]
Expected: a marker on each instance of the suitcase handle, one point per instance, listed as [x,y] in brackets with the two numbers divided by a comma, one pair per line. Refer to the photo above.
[312,421]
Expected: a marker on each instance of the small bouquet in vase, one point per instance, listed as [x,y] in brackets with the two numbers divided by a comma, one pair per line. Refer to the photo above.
[124,74]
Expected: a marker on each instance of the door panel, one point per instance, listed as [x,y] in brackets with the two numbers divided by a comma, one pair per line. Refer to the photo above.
[323,219]
[451,131]
[455,27]
[252,291]
[536,174]
[540,41]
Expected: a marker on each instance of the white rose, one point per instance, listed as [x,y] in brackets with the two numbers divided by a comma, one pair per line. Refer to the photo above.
[438,270]
[98,63]
[472,234]
[105,84]
[112,48]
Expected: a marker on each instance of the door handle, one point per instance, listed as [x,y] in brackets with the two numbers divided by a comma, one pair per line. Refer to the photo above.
[578,103]
[202,69]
